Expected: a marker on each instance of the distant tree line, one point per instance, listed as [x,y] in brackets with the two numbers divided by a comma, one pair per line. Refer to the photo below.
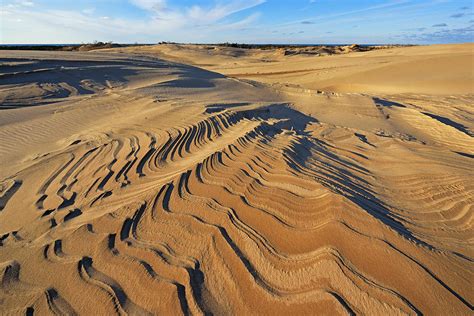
[67,47]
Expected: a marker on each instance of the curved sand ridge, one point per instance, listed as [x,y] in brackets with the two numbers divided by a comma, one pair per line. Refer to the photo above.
[172,189]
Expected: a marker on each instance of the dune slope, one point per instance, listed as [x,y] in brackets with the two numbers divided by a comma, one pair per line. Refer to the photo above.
[133,184]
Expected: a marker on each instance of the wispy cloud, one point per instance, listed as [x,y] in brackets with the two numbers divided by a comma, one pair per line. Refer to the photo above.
[454,35]
[385,5]
[149,4]
[26,3]
[195,13]
[296,21]
[162,22]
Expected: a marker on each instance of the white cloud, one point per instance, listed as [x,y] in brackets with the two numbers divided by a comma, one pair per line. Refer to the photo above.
[41,25]
[248,21]
[150,4]
[195,14]
[88,11]
[221,11]
[26,3]
[18,3]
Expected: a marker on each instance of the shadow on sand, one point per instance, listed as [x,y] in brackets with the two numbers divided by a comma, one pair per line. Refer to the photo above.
[60,78]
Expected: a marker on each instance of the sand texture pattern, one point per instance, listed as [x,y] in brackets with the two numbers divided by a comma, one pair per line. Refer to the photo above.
[188,180]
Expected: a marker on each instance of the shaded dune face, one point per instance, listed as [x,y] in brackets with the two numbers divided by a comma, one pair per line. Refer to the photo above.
[180,191]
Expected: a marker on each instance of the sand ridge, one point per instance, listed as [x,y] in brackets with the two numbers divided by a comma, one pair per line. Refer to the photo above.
[134,183]
[437,69]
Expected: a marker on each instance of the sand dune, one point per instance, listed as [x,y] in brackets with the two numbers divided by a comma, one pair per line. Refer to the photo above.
[438,69]
[151,180]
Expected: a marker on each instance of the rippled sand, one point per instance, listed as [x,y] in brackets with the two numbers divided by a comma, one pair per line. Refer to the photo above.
[178,179]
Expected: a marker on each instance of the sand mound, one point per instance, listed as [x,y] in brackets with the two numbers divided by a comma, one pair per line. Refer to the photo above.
[438,69]
[134,185]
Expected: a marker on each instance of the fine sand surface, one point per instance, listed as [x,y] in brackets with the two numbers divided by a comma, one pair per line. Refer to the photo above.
[184,179]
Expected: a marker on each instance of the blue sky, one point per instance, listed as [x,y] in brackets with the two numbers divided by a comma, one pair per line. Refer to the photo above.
[244,21]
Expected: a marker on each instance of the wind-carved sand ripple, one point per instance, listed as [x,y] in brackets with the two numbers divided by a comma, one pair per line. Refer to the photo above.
[252,207]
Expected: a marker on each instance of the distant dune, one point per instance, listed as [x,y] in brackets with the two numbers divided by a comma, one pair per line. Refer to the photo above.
[185,179]
[438,69]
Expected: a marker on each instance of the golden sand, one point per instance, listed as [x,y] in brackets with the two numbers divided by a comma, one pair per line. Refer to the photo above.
[186,179]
